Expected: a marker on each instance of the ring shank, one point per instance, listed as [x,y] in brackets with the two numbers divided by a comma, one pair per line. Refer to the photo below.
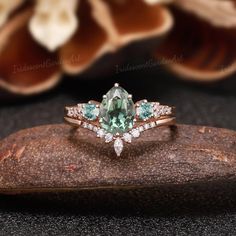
[158,122]
[74,117]
[166,121]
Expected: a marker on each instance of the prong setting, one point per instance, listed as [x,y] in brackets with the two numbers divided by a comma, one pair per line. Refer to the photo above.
[145,115]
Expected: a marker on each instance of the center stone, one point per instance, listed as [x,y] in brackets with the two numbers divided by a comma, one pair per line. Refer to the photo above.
[117,111]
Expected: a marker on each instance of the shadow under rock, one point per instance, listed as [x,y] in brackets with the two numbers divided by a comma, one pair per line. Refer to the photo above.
[196,199]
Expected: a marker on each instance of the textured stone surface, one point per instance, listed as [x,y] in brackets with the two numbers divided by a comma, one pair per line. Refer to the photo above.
[57,157]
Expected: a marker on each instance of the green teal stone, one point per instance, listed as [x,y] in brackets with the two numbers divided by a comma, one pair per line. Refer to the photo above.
[90,111]
[145,111]
[117,111]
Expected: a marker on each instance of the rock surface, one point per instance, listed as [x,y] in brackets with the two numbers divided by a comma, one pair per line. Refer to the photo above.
[59,158]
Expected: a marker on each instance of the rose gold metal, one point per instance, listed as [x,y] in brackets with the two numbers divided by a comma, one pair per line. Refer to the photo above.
[77,118]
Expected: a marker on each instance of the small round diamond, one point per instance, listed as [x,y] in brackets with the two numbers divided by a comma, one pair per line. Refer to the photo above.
[90,111]
[141,129]
[127,137]
[90,127]
[168,110]
[146,126]
[108,137]
[85,125]
[162,111]
[157,110]
[152,125]
[95,129]
[135,133]
[145,110]
[101,133]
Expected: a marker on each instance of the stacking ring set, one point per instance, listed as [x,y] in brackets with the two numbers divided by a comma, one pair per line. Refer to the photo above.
[118,119]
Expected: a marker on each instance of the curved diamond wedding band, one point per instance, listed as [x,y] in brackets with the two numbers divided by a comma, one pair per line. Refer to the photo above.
[117,119]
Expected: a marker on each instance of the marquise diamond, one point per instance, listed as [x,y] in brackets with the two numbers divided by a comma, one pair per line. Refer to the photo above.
[118,146]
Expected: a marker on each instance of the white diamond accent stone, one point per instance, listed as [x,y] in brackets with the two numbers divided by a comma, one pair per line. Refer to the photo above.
[118,146]
[101,133]
[73,111]
[152,125]
[141,129]
[162,110]
[146,126]
[95,129]
[135,133]
[127,137]
[108,137]
[70,112]
[85,125]
[157,115]
[168,110]
[90,127]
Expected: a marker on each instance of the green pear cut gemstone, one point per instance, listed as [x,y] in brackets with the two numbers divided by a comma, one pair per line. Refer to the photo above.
[117,111]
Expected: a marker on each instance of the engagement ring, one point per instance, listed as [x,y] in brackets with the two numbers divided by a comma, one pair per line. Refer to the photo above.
[117,119]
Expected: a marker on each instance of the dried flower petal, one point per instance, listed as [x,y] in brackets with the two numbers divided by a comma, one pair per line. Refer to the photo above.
[203,54]
[20,71]
[124,25]
[112,24]
[157,1]
[217,12]
[88,43]
[54,22]
[6,7]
